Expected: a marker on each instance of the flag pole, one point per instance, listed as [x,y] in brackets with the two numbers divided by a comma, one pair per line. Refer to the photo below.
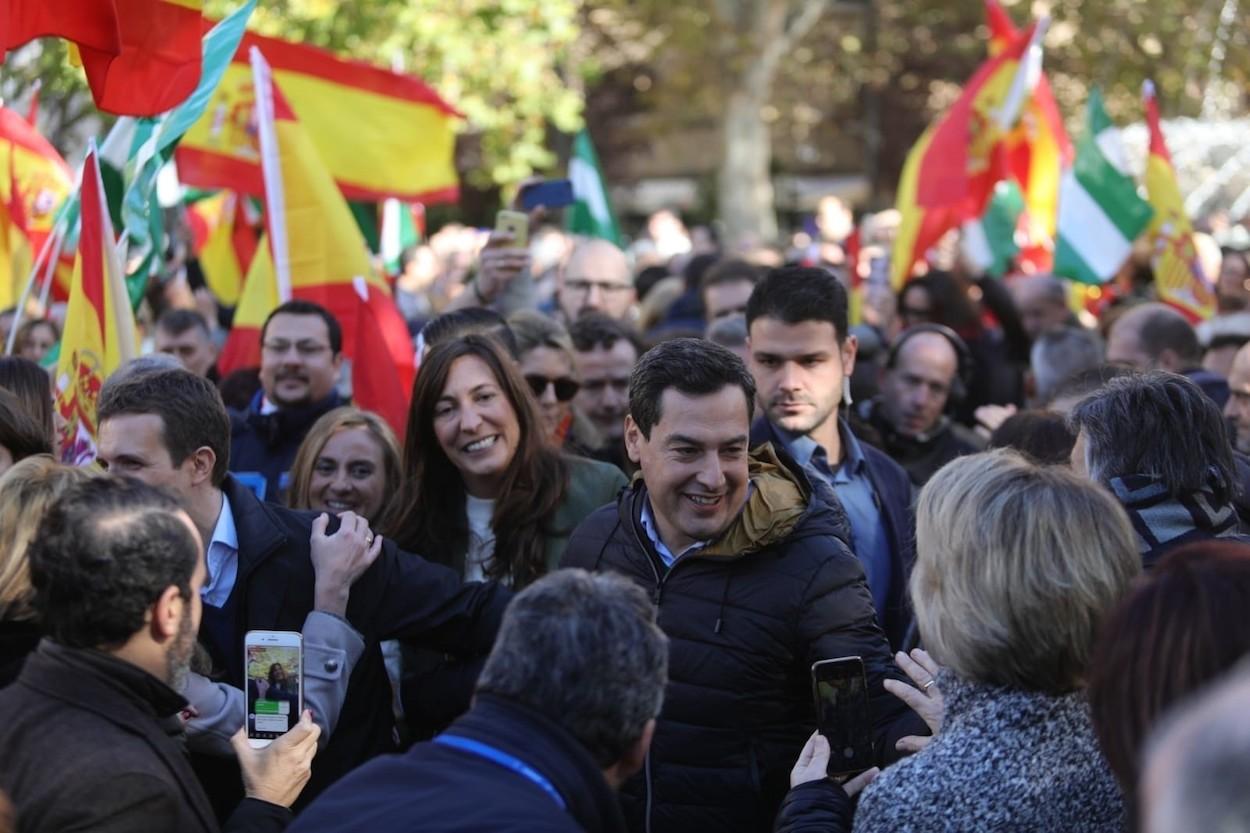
[57,234]
[271,168]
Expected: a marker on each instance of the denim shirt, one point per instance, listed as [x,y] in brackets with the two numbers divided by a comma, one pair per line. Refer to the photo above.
[854,489]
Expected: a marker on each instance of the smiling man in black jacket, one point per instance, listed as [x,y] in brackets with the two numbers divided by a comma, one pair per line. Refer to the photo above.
[746,559]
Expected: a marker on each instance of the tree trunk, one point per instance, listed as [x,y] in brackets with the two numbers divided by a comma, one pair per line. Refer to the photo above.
[745,188]
[744,184]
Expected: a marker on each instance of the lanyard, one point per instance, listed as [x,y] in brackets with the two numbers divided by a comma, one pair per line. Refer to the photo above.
[506,761]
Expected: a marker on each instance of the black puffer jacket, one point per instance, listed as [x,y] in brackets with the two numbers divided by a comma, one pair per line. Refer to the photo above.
[747,616]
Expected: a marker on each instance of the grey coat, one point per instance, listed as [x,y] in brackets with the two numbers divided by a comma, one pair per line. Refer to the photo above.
[1005,760]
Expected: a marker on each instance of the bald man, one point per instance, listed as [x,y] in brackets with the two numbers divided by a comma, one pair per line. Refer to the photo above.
[596,279]
[1157,337]
[1043,304]
[910,412]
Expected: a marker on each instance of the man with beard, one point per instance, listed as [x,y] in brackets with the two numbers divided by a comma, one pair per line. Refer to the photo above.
[92,731]
[300,357]
[802,358]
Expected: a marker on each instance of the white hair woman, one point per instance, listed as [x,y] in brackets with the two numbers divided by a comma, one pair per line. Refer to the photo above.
[1017,565]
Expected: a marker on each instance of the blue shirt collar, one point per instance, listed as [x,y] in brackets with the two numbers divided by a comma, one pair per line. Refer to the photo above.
[802,447]
[224,532]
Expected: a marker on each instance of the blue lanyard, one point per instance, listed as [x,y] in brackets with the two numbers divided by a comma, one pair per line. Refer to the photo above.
[506,761]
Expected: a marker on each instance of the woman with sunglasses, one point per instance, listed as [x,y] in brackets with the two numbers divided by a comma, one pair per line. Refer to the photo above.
[545,354]
[485,492]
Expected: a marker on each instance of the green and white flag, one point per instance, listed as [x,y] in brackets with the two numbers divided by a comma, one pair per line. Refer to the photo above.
[1100,212]
[591,213]
[989,243]
[399,232]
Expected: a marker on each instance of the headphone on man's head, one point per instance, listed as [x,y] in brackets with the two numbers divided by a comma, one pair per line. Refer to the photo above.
[963,356]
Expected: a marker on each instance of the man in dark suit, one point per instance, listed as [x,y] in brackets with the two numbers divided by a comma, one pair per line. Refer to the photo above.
[170,429]
[802,357]
[91,727]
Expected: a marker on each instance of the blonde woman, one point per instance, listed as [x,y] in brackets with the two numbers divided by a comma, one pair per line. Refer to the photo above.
[26,491]
[349,461]
[1017,566]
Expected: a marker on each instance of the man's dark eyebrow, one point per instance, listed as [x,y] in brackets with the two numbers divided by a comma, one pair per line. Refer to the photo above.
[681,439]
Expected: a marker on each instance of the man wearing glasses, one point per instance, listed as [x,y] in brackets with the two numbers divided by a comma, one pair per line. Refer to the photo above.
[300,359]
[596,279]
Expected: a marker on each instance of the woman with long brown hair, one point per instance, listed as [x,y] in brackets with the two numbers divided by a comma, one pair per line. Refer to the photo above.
[485,492]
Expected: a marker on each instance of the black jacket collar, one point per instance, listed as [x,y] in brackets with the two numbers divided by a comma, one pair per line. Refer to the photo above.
[125,695]
[548,747]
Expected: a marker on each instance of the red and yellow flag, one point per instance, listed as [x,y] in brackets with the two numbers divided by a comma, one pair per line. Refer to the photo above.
[159,62]
[99,332]
[950,172]
[1179,278]
[223,242]
[379,133]
[316,252]
[91,24]
[1038,148]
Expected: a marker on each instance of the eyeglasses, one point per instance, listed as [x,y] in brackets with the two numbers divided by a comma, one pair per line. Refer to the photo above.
[566,388]
[306,349]
[583,287]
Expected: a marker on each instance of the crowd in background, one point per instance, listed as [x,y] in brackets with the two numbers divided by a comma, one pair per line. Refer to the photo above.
[638,494]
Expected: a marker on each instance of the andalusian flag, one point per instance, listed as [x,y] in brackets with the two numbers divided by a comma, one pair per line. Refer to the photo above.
[950,173]
[380,134]
[401,230]
[989,242]
[318,254]
[99,332]
[1179,279]
[591,214]
[1100,214]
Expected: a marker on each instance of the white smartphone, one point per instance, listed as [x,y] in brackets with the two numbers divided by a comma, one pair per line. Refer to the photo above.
[274,670]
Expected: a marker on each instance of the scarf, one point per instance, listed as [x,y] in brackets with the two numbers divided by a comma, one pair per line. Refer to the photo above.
[1163,521]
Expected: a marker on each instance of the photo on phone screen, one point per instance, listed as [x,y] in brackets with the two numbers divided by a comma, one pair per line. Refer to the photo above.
[274,677]
[840,689]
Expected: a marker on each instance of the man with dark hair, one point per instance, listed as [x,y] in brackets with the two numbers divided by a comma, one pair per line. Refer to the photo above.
[91,726]
[184,333]
[746,558]
[537,751]
[605,352]
[301,347]
[271,568]
[802,358]
[1157,337]
[726,288]
[1160,445]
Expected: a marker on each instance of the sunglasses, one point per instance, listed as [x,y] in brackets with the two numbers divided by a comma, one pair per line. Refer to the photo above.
[566,388]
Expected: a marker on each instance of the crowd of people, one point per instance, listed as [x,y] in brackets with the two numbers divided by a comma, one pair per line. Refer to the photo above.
[637,496]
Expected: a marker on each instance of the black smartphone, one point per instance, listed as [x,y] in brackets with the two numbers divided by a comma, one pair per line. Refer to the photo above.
[840,689]
[550,193]
[275,684]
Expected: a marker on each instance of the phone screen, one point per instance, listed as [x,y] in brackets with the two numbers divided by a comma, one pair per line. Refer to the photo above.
[840,690]
[274,698]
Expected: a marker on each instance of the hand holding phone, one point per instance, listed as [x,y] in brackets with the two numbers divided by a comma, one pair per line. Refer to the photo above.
[514,223]
[274,670]
[840,692]
[278,773]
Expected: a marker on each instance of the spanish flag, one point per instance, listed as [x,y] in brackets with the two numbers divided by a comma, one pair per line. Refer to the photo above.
[951,171]
[316,252]
[223,242]
[1038,149]
[34,182]
[99,332]
[91,24]
[1179,278]
[379,133]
